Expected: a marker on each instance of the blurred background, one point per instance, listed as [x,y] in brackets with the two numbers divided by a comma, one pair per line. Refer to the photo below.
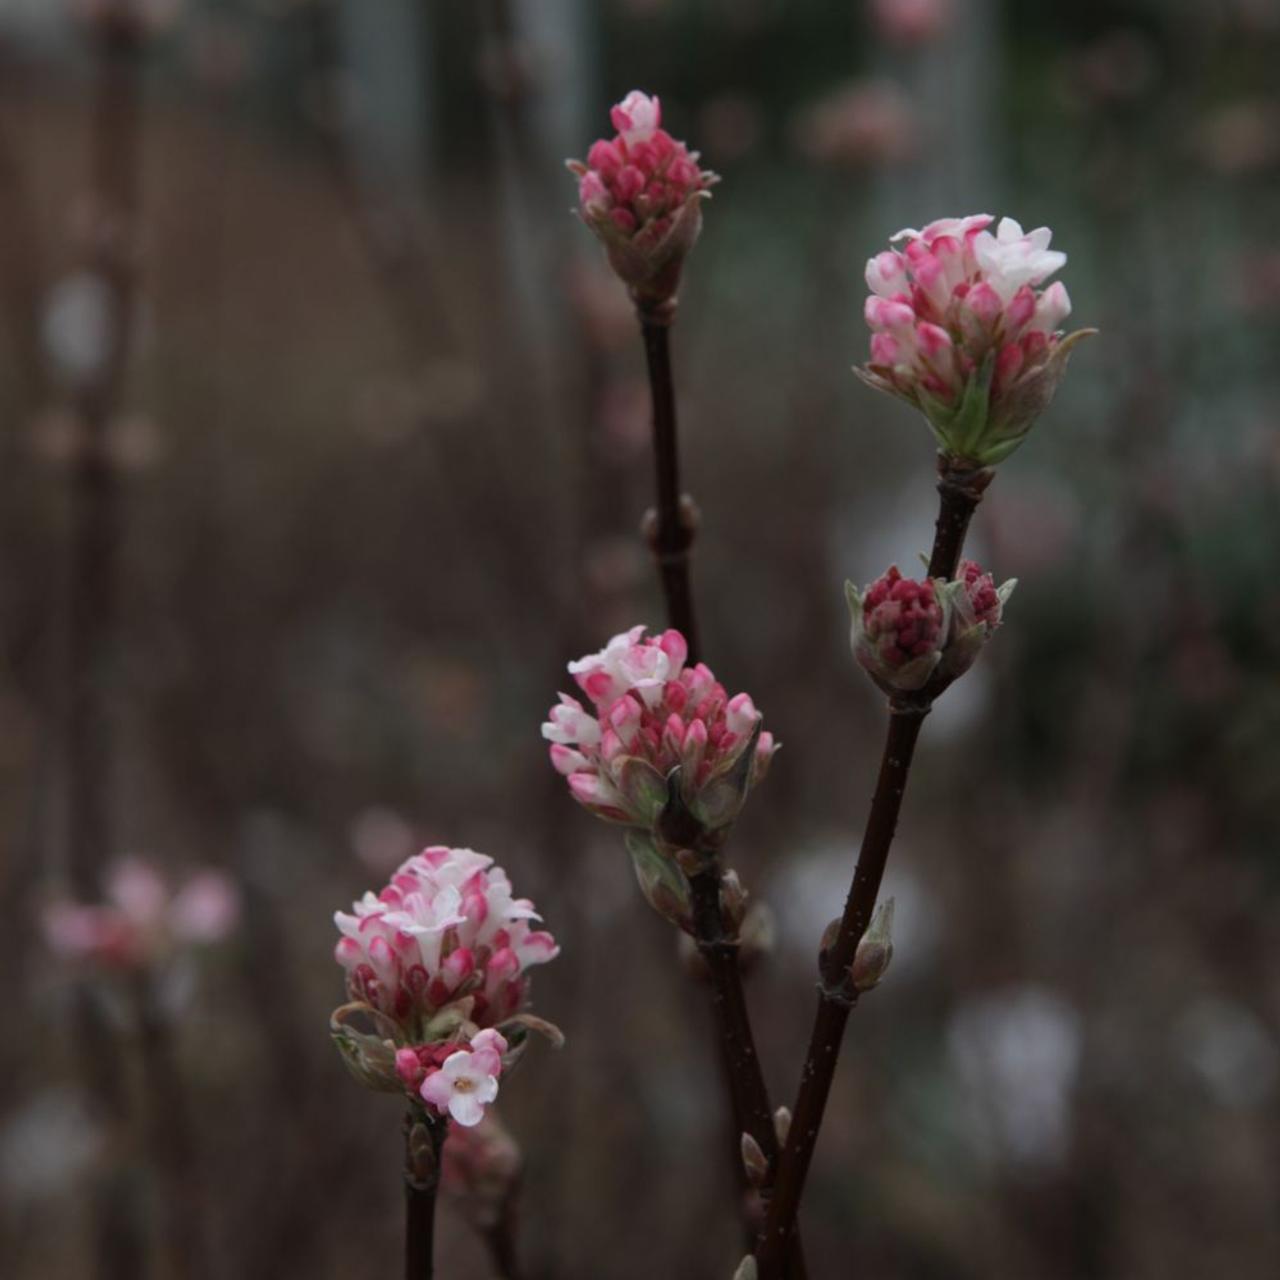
[325,446]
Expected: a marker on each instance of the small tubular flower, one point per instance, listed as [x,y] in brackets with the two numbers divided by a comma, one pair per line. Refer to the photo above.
[915,636]
[963,331]
[651,714]
[641,192]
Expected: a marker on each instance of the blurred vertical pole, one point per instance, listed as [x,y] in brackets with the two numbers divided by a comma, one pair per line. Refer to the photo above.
[953,81]
[529,47]
[115,34]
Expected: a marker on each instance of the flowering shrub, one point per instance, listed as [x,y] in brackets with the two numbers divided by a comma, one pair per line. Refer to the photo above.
[438,959]
[141,920]
[641,192]
[961,331]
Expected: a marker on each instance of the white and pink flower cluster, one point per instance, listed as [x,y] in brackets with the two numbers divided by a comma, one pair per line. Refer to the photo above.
[651,713]
[962,330]
[446,928]
[640,192]
[441,957]
[142,920]
[909,634]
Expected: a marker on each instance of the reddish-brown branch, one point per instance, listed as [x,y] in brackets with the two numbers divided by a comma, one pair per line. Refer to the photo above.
[670,530]
[960,489]
[423,1143]
[671,527]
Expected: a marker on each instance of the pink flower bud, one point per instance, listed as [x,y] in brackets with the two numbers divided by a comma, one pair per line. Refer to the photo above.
[636,117]
[977,609]
[409,1068]
[980,591]
[887,274]
[899,629]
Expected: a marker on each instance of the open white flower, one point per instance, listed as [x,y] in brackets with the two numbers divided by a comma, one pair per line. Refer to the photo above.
[468,1080]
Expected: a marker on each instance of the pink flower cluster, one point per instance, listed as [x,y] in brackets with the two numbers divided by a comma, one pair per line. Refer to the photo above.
[438,959]
[650,714]
[141,919]
[640,192]
[445,930]
[903,618]
[911,21]
[911,634]
[961,330]
[456,1081]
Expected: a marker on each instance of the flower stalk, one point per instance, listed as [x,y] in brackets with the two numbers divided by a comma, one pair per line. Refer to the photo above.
[960,490]
[641,194]
[424,1136]
[670,527]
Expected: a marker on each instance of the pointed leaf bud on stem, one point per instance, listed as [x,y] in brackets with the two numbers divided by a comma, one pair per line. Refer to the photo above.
[875,950]
[754,1163]
[781,1125]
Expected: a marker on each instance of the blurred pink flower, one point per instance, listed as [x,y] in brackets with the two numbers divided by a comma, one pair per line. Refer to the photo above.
[911,21]
[866,122]
[141,921]
[480,1168]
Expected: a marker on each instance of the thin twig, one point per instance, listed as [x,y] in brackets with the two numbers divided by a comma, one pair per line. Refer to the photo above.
[670,528]
[960,490]
[171,1146]
[423,1141]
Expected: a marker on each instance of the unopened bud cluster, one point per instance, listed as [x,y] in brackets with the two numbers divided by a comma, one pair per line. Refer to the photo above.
[438,961]
[641,193]
[918,635]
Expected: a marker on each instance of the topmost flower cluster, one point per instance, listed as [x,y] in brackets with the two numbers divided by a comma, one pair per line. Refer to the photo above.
[961,330]
[640,193]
